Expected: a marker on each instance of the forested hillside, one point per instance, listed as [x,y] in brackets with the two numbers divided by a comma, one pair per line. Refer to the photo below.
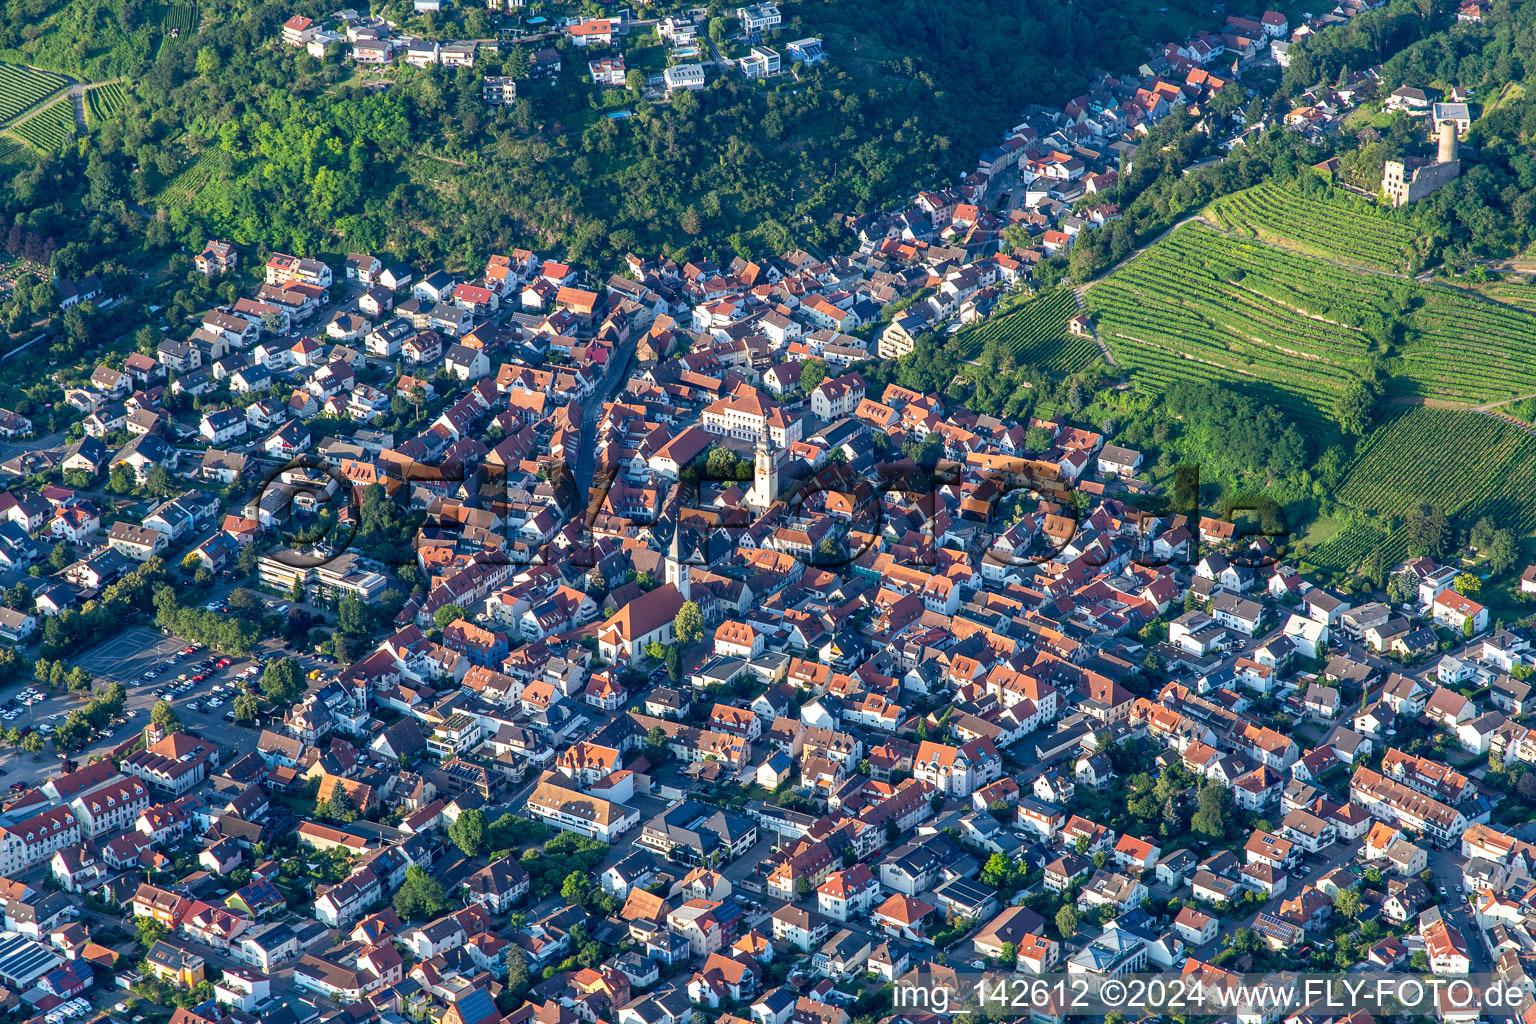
[294,154]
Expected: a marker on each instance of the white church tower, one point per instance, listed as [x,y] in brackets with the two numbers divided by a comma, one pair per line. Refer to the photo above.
[765,475]
[675,569]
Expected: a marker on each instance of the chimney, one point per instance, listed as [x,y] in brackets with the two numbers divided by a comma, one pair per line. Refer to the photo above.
[1447,142]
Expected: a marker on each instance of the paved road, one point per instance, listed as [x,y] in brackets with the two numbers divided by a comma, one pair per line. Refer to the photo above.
[23,347]
[77,100]
[1446,866]
[592,412]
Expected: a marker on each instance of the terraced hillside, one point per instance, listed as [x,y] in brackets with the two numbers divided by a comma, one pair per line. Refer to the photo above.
[1335,226]
[102,101]
[51,128]
[23,87]
[189,181]
[1296,331]
[1465,463]
[1037,334]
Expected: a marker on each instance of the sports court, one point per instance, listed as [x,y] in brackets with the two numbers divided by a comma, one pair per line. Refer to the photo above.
[127,655]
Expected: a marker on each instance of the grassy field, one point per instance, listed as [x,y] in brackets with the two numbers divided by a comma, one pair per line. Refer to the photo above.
[1037,334]
[1339,227]
[22,88]
[51,129]
[1296,332]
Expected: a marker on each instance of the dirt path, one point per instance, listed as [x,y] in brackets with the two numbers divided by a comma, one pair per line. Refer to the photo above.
[1507,418]
[1491,406]
[1077,294]
[35,111]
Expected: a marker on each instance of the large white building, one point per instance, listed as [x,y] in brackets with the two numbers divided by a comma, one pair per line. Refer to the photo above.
[110,807]
[574,811]
[36,839]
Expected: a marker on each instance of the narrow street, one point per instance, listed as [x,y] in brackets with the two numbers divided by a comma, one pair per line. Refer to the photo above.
[591,414]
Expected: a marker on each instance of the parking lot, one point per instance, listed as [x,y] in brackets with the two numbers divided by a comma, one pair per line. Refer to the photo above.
[123,658]
[149,664]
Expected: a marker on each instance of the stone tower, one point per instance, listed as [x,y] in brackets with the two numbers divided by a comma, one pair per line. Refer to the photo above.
[1447,152]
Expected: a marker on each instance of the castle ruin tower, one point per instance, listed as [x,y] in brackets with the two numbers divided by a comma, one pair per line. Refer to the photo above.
[1447,153]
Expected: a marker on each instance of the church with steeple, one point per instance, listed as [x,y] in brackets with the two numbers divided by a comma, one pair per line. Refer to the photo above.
[675,568]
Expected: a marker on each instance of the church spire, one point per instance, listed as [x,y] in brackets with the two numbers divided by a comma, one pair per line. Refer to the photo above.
[675,567]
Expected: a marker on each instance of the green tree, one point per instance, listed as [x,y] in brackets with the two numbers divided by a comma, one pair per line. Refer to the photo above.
[1066,922]
[1503,552]
[164,716]
[997,872]
[280,681]
[1210,818]
[1347,903]
[60,556]
[420,897]
[812,372]
[122,480]
[718,31]
[448,613]
[1373,570]
[149,931]
[468,832]
[1355,408]
[1427,530]
[577,888]
[517,969]
[159,482]
[337,807]
[352,618]
[688,625]
[721,463]
[246,707]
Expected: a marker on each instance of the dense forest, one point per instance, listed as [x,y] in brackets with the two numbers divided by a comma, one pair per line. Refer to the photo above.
[288,152]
